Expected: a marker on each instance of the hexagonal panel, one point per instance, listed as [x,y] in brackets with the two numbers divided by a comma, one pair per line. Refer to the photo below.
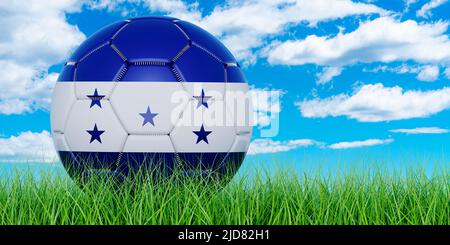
[148,107]
[94,129]
[102,65]
[239,102]
[85,90]
[196,65]
[62,100]
[150,39]
[97,39]
[192,135]
[206,40]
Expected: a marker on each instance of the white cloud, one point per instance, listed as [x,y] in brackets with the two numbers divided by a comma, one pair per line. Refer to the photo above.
[376,103]
[408,4]
[401,69]
[428,73]
[176,8]
[244,25]
[425,11]
[421,130]
[28,146]
[25,88]
[447,72]
[358,144]
[34,37]
[267,145]
[381,40]
[328,73]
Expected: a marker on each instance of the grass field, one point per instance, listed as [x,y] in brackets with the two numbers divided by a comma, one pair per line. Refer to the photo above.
[357,197]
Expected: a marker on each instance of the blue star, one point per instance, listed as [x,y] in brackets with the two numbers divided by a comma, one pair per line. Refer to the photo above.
[95,99]
[202,135]
[95,134]
[202,99]
[148,116]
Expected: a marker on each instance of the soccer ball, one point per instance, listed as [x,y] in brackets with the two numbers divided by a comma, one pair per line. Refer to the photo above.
[151,93]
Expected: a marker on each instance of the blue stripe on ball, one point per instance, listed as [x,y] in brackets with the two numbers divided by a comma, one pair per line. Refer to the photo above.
[79,162]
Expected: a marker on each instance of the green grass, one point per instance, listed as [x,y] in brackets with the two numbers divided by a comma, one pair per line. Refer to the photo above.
[356,197]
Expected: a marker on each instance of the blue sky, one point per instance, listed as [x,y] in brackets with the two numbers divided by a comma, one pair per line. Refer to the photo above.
[359,79]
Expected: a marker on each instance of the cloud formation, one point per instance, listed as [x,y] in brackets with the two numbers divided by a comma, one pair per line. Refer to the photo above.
[34,36]
[267,145]
[327,74]
[425,73]
[447,72]
[421,130]
[384,39]
[358,144]
[376,103]
[425,11]
[244,25]
[28,147]
[428,73]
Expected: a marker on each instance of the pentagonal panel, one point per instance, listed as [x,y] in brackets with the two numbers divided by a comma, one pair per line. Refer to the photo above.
[206,40]
[150,39]
[239,103]
[102,65]
[94,129]
[87,90]
[197,65]
[62,101]
[191,134]
[149,107]
[97,39]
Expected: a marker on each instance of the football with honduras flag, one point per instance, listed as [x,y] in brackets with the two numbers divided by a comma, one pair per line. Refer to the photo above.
[151,93]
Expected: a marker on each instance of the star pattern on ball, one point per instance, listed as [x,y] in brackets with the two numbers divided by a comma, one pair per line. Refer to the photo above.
[202,135]
[95,134]
[202,99]
[148,116]
[95,99]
